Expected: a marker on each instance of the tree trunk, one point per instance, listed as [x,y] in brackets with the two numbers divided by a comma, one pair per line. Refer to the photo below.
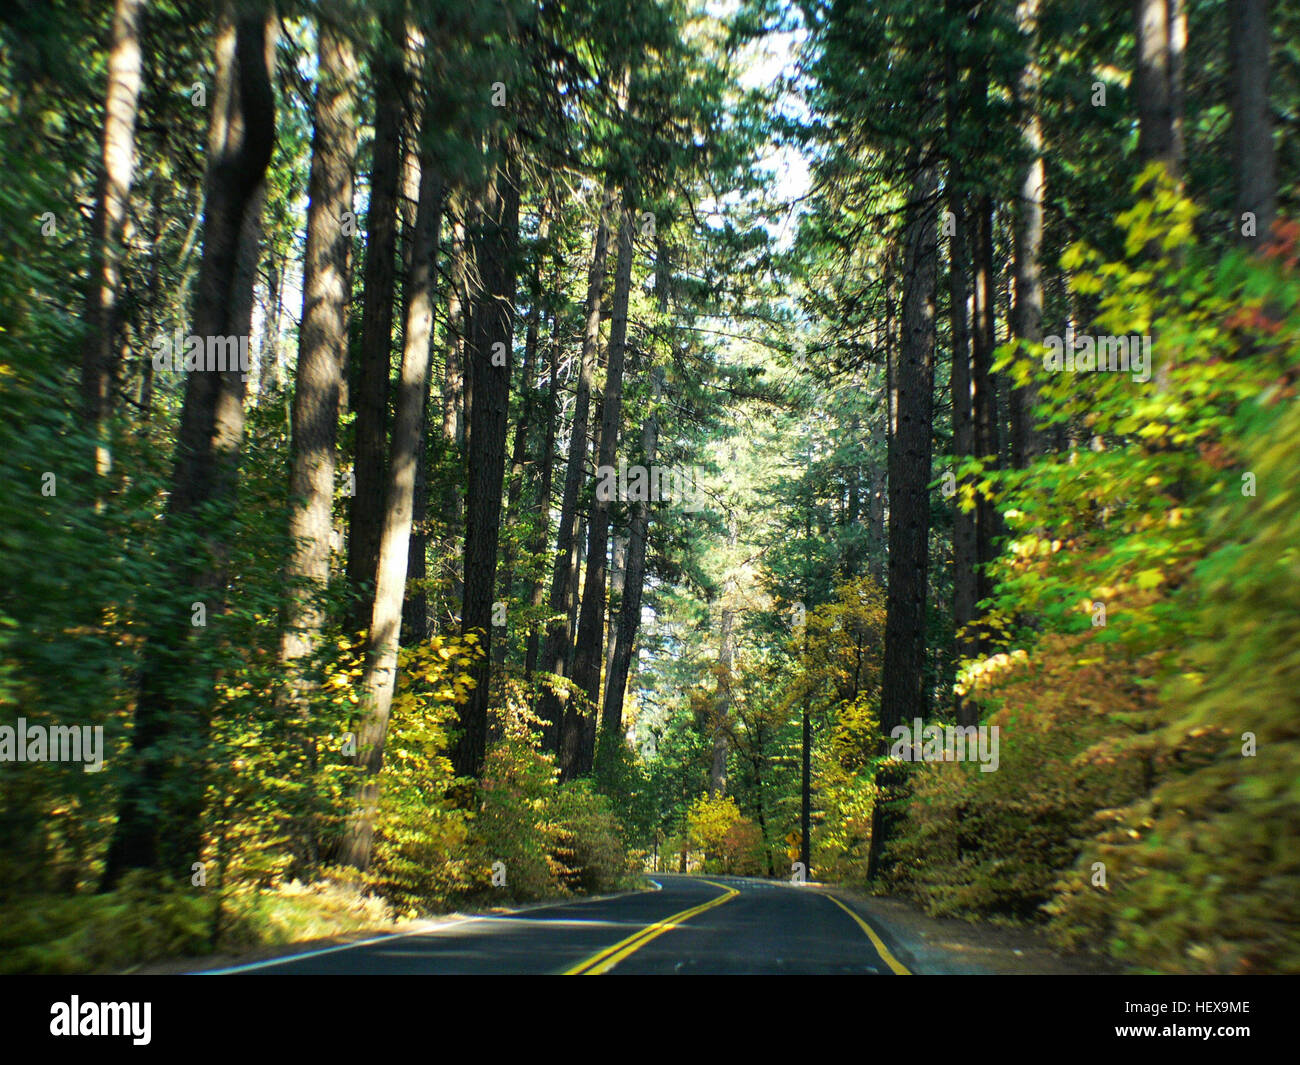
[111,204]
[1253,159]
[964,547]
[903,697]
[490,384]
[984,397]
[415,605]
[380,675]
[617,585]
[629,612]
[1027,313]
[1157,81]
[537,597]
[322,354]
[591,621]
[555,648]
[160,812]
[449,559]
[526,419]
[722,698]
[370,397]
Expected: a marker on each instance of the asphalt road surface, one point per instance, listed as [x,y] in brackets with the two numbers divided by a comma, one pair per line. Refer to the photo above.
[715,925]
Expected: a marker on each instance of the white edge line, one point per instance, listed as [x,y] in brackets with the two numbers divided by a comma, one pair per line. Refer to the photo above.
[285,958]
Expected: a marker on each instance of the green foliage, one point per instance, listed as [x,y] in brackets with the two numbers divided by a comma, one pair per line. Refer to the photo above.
[730,842]
[140,921]
[588,847]
[551,838]
[992,844]
[1203,873]
[422,835]
[1124,730]
[513,822]
[846,792]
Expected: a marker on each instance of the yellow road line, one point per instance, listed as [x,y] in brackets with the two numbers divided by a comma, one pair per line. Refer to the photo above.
[606,959]
[876,941]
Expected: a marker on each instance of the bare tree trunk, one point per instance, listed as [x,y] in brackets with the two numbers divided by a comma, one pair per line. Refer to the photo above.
[322,355]
[519,446]
[964,545]
[322,346]
[722,699]
[415,604]
[449,557]
[617,585]
[591,621]
[1253,159]
[111,203]
[555,648]
[543,503]
[159,816]
[380,676]
[1158,66]
[984,393]
[490,385]
[268,370]
[371,394]
[629,614]
[1027,320]
[903,697]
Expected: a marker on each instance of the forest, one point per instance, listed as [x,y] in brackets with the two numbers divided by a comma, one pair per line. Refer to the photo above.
[464,452]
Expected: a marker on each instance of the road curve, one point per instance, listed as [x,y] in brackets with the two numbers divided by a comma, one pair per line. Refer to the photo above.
[706,925]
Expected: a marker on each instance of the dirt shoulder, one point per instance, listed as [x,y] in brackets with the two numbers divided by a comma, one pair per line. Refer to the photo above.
[945,945]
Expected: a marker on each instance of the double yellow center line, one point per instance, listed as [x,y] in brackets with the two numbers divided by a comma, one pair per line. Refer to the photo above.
[611,956]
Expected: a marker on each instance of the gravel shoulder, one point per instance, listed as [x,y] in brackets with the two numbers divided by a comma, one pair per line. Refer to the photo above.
[944,945]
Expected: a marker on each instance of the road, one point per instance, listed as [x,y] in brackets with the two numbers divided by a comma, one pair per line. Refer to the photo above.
[713,925]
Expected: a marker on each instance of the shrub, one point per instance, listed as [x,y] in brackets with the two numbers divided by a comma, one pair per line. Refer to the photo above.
[588,844]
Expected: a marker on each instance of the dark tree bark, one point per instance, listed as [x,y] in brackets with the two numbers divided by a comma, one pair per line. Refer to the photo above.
[722,699]
[964,545]
[370,395]
[160,813]
[415,605]
[591,621]
[490,384]
[527,417]
[984,396]
[322,353]
[1027,309]
[1253,159]
[629,613]
[537,596]
[453,383]
[903,697]
[556,647]
[449,558]
[617,585]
